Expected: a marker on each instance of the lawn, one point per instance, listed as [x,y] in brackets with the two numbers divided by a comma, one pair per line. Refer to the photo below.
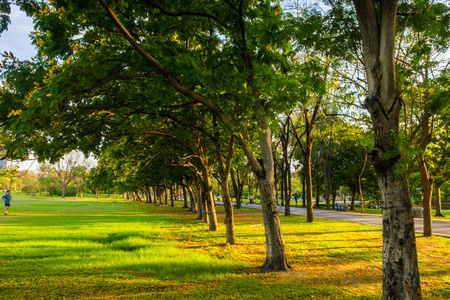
[117,249]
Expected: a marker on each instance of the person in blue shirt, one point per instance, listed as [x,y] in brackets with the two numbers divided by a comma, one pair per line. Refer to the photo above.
[7,198]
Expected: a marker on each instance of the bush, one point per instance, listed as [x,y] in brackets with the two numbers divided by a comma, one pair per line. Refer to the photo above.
[71,191]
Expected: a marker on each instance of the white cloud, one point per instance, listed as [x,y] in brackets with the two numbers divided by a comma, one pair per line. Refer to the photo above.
[16,39]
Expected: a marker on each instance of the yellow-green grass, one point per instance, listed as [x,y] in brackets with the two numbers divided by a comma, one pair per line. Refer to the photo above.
[118,249]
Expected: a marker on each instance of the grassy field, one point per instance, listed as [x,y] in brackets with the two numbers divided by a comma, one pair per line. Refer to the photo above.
[116,249]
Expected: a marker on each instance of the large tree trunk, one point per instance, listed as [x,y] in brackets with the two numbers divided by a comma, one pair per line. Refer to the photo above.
[275,250]
[438,201]
[202,198]
[193,200]
[287,197]
[172,197]
[264,172]
[317,194]
[63,191]
[224,171]
[400,267]
[304,186]
[352,206]
[237,188]
[185,197]
[361,198]
[308,181]
[427,195]
[326,180]
[229,215]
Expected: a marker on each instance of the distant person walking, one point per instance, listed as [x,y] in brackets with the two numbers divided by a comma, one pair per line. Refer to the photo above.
[7,198]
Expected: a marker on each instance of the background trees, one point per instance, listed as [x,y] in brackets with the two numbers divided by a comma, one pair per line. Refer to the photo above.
[162,91]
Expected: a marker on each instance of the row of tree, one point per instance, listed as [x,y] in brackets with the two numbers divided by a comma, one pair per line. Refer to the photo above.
[166,89]
[72,169]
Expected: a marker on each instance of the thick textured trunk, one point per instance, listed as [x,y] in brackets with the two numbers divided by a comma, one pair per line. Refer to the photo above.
[378,33]
[326,181]
[237,188]
[287,198]
[361,198]
[438,201]
[202,205]
[193,202]
[199,202]
[304,187]
[275,250]
[427,194]
[229,215]
[202,198]
[352,206]
[400,267]
[185,198]
[264,172]
[209,199]
[165,195]
[317,195]
[308,181]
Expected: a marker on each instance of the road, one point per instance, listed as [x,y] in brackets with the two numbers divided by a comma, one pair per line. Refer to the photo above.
[441,228]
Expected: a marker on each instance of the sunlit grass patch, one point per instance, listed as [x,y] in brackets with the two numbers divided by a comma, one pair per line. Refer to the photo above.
[117,249]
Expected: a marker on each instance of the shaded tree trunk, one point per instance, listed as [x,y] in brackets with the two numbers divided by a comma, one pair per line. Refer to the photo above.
[361,198]
[185,197]
[427,183]
[171,197]
[224,170]
[400,266]
[308,180]
[352,206]
[437,189]
[304,187]
[209,199]
[193,200]
[326,180]
[238,186]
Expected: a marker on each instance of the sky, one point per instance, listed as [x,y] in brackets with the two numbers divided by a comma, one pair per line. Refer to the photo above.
[16,40]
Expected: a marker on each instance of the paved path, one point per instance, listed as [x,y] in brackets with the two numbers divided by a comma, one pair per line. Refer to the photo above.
[441,228]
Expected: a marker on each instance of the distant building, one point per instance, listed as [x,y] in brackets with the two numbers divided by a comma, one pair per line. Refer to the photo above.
[5,163]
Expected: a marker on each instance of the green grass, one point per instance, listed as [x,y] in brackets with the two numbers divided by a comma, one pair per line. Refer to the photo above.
[116,249]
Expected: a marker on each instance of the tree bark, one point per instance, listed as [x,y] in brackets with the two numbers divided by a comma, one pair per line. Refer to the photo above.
[400,266]
[304,186]
[191,196]
[264,172]
[427,182]
[202,198]
[326,177]
[185,205]
[308,181]
[238,185]
[361,198]
[352,206]
[437,189]
[171,197]
[224,171]
[229,215]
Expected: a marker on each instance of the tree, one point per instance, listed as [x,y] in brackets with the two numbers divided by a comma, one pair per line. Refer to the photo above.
[169,56]
[65,170]
[377,24]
